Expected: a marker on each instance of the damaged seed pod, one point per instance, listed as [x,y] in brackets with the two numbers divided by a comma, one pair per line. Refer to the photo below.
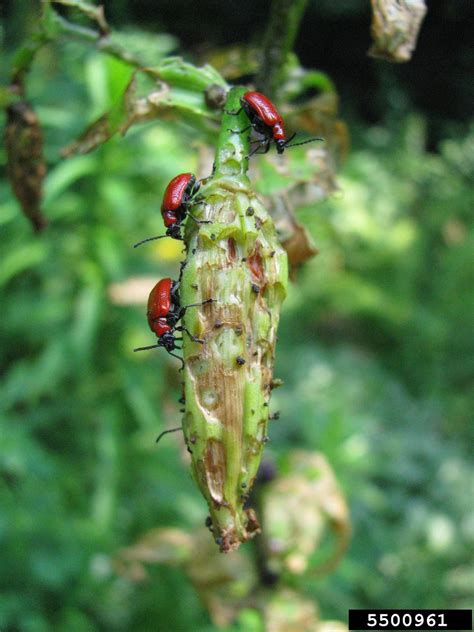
[240,264]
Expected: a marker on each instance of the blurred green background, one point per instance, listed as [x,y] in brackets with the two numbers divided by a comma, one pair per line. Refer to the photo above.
[376,344]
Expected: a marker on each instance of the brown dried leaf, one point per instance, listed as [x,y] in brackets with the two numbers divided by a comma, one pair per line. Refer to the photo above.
[294,237]
[299,508]
[223,582]
[158,546]
[395,27]
[307,500]
[26,167]
[286,610]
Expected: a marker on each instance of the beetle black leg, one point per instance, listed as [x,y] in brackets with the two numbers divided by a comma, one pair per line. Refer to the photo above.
[193,338]
[178,358]
[199,221]
[167,432]
[184,263]
[185,307]
[174,292]
[240,131]
[265,151]
[262,142]
[233,113]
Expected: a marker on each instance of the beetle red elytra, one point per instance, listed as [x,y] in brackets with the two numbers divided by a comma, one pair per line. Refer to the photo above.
[266,120]
[164,311]
[178,197]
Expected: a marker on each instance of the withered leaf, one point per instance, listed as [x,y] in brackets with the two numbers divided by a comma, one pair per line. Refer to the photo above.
[395,26]
[293,236]
[299,508]
[26,167]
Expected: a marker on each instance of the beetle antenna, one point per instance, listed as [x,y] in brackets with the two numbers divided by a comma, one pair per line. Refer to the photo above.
[146,348]
[304,142]
[209,300]
[143,241]
[167,432]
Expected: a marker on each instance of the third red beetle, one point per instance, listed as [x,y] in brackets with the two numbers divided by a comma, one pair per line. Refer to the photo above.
[164,310]
[266,120]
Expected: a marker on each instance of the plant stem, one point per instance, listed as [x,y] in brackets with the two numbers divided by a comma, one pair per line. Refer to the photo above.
[51,27]
[232,147]
[283,23]
[238,262]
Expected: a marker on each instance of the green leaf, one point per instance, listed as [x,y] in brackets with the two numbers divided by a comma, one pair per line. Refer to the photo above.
[64,174]
[21,259]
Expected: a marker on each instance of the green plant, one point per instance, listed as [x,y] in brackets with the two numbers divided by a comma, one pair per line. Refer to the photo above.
[237,259]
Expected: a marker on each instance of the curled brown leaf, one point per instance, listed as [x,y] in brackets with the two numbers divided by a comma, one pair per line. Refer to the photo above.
[395,27]
[26,167]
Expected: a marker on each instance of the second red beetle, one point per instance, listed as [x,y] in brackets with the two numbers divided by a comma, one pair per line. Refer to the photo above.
[178,197]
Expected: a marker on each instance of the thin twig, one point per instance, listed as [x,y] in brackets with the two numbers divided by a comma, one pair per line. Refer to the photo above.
[283,24]
[53,28]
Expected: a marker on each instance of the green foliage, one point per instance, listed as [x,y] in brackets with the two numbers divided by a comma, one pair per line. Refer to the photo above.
[384,393]
[375,349]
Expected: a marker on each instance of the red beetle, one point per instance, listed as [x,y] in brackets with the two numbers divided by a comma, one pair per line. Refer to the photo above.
[266,120]
[164,310]
[177,199]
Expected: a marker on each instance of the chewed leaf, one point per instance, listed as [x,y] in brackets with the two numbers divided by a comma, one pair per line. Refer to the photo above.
[96,134]
[178,94]
[395,27]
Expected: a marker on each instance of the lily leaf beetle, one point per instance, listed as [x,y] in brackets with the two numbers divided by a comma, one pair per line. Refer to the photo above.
[266,120]
[178,197]
[164,311]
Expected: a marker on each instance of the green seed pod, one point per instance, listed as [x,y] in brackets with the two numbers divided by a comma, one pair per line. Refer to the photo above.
[238,262]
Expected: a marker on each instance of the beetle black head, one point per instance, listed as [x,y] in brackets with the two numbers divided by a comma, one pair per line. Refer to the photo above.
[280,145]
[174,231]
[167,341]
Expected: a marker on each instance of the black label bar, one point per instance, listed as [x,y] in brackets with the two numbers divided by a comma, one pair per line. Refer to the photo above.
[410,620]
